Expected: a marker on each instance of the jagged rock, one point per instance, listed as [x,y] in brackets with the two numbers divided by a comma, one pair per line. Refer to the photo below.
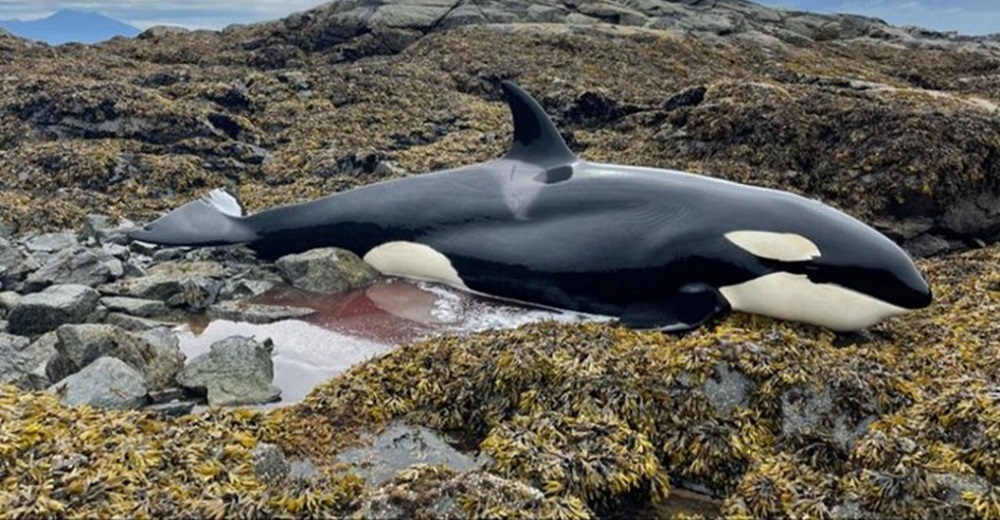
[51,242]
[164,281]
[196,294]
[75,266]
[22,362]
[326,270]
[106,383]
[134,323]
[156,357]
[8,300]
[260,314]
[134,306]
[400,446]
[269,463]
[41,312]
[14,266]
[237,289]
[235,371]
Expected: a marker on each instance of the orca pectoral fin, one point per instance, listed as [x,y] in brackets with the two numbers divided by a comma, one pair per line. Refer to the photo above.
[686,308]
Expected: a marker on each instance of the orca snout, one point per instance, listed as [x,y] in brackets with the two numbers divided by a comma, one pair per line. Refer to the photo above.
[917,291]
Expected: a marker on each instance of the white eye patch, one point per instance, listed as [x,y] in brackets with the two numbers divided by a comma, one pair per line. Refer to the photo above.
[785,247]
[413,260]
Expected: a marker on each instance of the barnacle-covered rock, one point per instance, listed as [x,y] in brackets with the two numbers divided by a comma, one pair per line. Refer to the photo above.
[327,270]
[106,382]
[42,312]
[234,371]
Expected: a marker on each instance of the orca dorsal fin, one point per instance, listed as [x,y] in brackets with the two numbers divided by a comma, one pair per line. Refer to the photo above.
[536,139]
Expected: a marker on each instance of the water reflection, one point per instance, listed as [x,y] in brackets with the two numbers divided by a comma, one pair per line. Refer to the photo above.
[348,329]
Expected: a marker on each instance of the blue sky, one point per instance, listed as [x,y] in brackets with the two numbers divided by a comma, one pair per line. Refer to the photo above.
[969,16]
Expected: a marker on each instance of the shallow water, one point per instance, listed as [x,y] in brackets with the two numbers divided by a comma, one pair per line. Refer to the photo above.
[348,329]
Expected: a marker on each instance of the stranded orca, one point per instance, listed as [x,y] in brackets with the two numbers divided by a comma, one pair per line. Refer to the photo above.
[656,248]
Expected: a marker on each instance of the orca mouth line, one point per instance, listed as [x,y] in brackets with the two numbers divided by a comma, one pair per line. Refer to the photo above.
[880,285]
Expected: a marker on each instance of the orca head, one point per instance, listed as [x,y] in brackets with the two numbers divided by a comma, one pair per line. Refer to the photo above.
[828,269]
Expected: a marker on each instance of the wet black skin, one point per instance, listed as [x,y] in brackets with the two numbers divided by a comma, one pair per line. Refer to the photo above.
[598,241]
[542,226]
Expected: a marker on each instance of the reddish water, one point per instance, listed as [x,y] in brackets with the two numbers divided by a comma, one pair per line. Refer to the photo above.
[351,328]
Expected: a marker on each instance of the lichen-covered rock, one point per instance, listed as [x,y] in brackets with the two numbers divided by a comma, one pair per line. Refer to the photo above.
[51,242]
[167,280]
[75,266]
[235,371]
[42,312]
[106,383]
[242,311]
[135,306]
[22,362]
[327,270]
[156,354]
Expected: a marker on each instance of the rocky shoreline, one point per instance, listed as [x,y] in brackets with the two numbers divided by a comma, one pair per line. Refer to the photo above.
[90,317]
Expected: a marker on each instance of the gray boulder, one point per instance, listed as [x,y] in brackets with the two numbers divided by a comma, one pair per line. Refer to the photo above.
[106,383]
[14,266]
[134,306]
[326,270]
[22,362]
[165,281]
[42,312]
[157,358]
[51,242]
[8,300]
[75,266]
[259,314]
[235,371]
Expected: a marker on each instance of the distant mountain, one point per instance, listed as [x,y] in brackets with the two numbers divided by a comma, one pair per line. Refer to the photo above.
[70,26]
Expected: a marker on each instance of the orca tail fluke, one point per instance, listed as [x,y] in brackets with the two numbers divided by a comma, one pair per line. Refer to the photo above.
[214,219]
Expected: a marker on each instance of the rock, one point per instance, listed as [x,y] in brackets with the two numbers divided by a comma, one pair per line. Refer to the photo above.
[156,357]
[269,463]
[241,311]
[810,413]
[236,371]
[96,226]
[44,311]
[22,362]
[164,281]
[429,492]
[8,300]
[134,323]
[175,408]
[134,306]
[926,245]
[327,270]
[106,383]
[14,266]
[400,446]
[196,294]
[164,359]
[728,389]
[51,242]
[75,266]
[246,288]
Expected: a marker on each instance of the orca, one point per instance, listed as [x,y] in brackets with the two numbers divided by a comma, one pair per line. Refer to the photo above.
[656,249]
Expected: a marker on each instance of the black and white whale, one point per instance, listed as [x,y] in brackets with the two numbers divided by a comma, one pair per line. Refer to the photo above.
[655,248]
